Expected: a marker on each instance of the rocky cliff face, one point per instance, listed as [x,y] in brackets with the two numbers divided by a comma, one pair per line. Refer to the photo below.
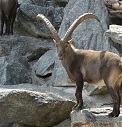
[28,61]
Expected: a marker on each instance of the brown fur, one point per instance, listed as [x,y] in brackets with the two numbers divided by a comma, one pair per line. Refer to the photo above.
[93,67]
[8,10]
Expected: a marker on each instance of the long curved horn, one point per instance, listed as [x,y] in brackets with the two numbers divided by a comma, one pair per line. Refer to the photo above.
[50,26]
[76,23]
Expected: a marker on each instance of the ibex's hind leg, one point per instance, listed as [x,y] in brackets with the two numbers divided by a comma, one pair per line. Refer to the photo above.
[113,81]
[115,94]
[114,90]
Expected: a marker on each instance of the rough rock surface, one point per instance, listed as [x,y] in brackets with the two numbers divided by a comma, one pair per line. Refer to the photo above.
[17,52]
[95,117]
[26,17]
[30,47]
[14,70]
[95,90]
[89,35]
[20,52]
[45,64]
[60,3]
[31,108]
[64,92]
[65,123]
[115,33]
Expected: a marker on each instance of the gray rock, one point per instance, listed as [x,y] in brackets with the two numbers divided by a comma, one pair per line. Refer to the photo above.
[14,71]
[60,3]
[95,90]
[18,125]
[89,35]
[26,18]
[65,92]
[65,123]
[59,75]
[43,3]
[24,1]
[33,109]
[2,51]
[45,64]
[30,47]
[95,117]
[115,33]
[14,68]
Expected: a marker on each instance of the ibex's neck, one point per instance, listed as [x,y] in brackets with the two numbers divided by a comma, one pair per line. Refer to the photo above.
[70,56]
[69,61]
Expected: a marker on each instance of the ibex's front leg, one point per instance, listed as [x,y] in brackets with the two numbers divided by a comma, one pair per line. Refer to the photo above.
[78,94]
[2,24]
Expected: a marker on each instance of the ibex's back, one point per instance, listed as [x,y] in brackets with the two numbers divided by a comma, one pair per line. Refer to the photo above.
[95,67]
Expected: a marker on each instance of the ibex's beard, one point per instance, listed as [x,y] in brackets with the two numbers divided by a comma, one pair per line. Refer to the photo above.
[61,57]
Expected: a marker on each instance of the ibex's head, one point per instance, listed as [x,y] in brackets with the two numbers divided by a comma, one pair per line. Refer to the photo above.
[64,45]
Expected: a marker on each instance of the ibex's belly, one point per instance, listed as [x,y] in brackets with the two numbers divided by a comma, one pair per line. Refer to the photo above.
[92,76]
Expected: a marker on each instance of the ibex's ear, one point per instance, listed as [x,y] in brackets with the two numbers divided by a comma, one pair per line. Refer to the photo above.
[55,42]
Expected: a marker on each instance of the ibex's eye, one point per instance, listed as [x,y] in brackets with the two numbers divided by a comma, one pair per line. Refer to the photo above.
[60,57]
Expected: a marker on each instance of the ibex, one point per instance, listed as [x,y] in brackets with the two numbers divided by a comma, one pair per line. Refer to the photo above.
[8,10]
[93,67]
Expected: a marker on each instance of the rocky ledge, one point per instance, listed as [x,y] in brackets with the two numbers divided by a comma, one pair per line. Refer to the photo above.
[95,117]
[26,108]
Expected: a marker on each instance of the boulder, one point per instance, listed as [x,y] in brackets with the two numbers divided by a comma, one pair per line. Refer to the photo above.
[88,35]
[95,117]
[26,18]
[115,33]
[59,75]
[14,71]
[32,109]
[44,66]
[65,92]
[95,90]
[29,47]
[65,123]
[18,52]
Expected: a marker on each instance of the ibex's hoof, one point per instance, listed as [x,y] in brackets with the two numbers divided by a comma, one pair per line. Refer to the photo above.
[74,107]
[113,114]
[77,107]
